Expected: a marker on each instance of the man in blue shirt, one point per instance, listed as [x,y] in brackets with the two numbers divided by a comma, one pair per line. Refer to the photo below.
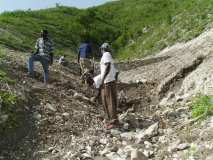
[84,57]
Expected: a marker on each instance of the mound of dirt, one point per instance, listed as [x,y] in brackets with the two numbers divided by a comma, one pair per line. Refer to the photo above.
[184,69]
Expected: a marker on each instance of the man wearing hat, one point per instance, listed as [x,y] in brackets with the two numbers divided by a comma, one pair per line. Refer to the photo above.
[108,85]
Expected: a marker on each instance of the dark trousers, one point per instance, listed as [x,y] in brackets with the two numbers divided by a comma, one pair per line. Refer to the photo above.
[109,100]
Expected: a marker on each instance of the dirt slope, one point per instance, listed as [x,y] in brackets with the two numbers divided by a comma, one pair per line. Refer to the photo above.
[185,69]
[53,112]
[60,123]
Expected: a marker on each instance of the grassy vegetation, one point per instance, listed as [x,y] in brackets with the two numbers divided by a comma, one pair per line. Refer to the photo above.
[3,75]
[135,28]
[5,79]
[8,107]
[202,106]
[155,24]
[67,26]
[8,99]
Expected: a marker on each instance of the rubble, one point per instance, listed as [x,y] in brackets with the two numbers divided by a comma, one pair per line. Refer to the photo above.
[65,124]
[50,107]
[148,133]
[137,155]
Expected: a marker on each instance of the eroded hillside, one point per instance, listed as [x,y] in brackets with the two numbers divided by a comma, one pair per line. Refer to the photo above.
[60,121]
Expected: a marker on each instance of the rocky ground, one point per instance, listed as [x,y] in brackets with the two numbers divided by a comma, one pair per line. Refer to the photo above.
[59,122]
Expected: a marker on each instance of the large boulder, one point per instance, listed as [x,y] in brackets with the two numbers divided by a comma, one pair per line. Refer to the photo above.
[137,155]
[148,133]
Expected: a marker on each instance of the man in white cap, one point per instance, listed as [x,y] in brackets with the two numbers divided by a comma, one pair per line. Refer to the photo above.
[108,85]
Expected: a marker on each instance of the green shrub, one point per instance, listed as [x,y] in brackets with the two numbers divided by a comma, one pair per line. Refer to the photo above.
[5,79]
[202,106]
[8,106]
[8,99]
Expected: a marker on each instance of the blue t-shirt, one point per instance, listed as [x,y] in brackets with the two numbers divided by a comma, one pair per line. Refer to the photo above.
[85,50]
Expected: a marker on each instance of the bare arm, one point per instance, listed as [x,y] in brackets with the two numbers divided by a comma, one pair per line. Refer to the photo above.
[108,67]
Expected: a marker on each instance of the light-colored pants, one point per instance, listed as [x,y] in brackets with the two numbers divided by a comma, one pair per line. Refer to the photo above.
[109,100]
[85,65]
[45,64]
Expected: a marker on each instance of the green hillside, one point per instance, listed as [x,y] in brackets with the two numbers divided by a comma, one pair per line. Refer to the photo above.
[135,27]
[19,30]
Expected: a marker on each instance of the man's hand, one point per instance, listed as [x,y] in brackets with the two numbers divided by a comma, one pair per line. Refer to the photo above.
[93,99]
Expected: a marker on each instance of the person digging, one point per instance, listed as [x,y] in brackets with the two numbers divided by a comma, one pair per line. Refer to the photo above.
[85,57]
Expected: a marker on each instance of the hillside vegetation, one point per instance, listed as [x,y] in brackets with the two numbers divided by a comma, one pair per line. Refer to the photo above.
[7,99]
[135,28]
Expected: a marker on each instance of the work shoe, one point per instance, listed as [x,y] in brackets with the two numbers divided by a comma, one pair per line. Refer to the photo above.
[113,124]
[110,126]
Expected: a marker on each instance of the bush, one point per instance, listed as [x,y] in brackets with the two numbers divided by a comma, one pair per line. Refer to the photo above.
[5,79]
[8,102]
[8,99]
[202,106]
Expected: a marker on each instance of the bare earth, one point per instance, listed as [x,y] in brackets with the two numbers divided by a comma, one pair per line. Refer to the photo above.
[60,123]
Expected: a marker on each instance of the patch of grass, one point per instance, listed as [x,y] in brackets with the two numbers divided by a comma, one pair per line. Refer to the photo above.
[192,152]
[202,106]
[8,106]
[8,99]
[2,55]
[5,79]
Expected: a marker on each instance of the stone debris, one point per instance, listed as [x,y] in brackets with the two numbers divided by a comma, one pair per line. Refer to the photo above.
[50,107]
[209,157]
[66,125]
[66,115]
[183,146]
[37,116]
[115,156]
[128,135]
[148,133]
[137,155]
[80,96]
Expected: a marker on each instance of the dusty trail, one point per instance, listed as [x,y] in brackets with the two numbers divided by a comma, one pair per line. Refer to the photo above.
[54,114]
[62,124]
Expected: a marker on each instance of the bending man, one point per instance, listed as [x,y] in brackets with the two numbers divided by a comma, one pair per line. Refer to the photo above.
[84,57]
